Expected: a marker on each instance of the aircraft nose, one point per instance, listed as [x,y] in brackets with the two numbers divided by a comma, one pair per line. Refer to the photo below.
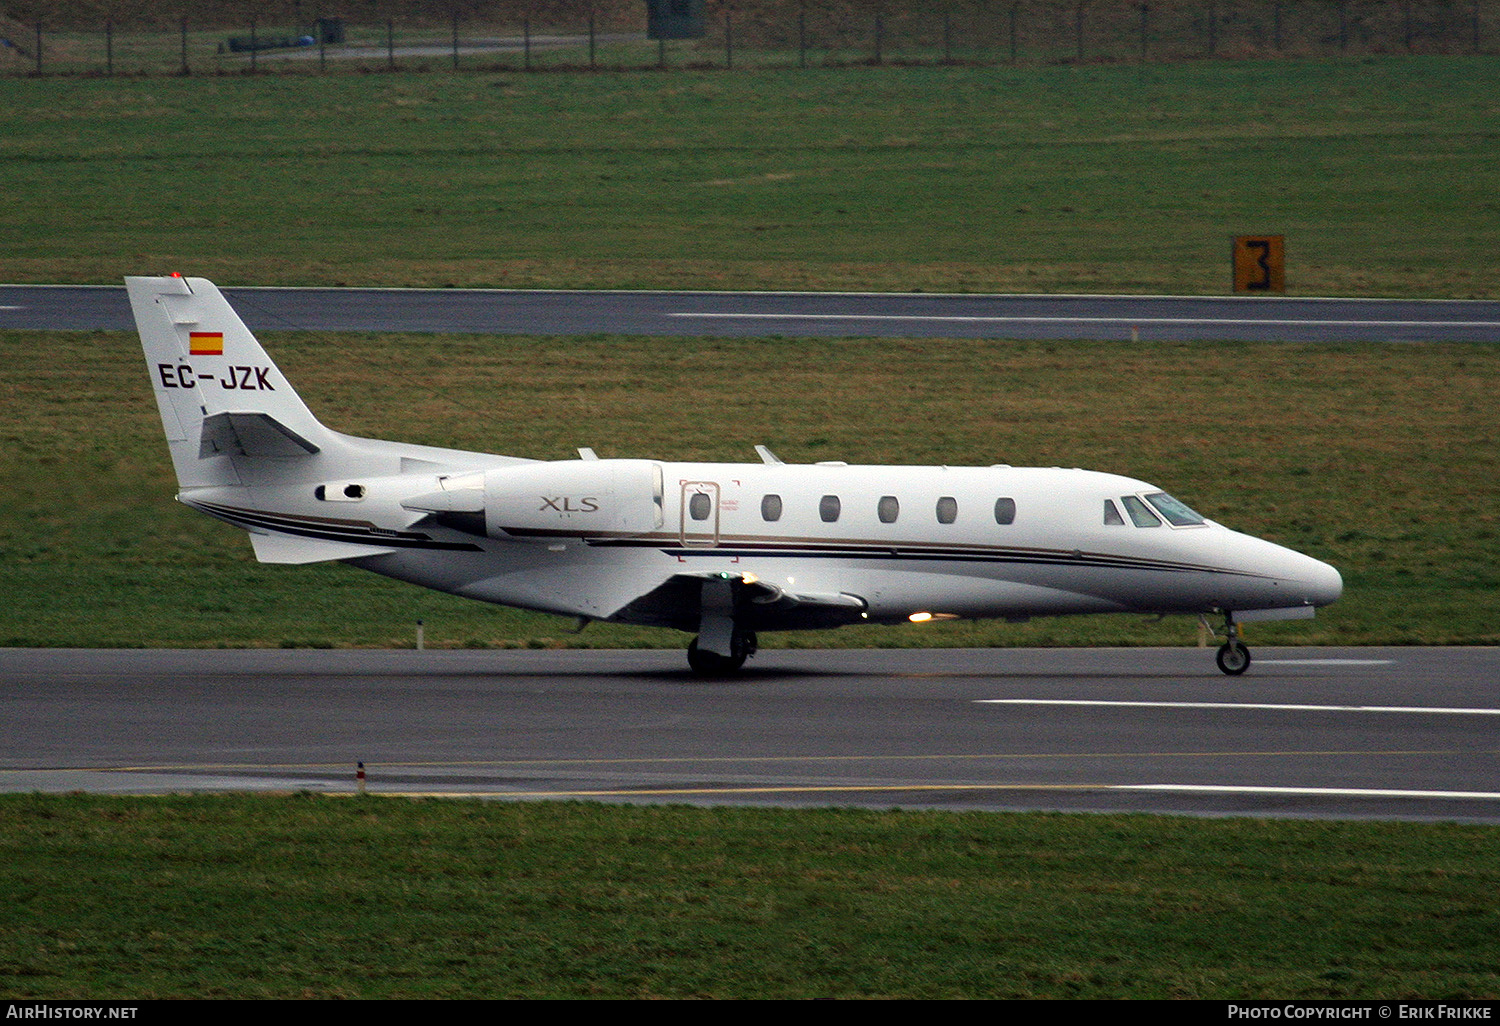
[1324,583]
[1280,577]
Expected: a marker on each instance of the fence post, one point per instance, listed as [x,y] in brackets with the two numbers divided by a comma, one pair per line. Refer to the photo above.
[1015,9]
[1343,26]
[526,40]
[390,44]
[1079,26]
[253,48]
[947,37]
[728,38]
[879,37]
[455,39]
[1213,27]
[38,48]
[109,47]
[591,40]
[185,71]
[1276,26]
[1145,14]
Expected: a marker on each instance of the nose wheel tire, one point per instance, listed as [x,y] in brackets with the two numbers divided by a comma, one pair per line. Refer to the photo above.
[1233,657]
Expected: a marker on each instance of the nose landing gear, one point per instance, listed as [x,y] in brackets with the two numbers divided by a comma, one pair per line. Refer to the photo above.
[1233,656]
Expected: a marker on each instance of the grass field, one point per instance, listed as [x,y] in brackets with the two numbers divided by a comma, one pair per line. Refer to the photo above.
[1380,459]
[1382,173]
[391,898]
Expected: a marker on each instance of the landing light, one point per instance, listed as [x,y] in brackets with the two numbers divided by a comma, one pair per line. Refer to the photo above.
[926,617]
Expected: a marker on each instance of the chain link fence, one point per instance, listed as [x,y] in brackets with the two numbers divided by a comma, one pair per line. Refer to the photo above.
[288,36]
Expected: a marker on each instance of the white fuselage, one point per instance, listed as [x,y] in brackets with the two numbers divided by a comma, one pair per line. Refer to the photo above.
[720,549]
[586,537]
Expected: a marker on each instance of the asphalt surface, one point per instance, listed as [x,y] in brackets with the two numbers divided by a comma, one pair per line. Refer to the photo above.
[740,314]
[469,48]
[1393,733]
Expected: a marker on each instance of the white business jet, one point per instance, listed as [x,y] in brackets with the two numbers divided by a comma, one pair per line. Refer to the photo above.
[720,550]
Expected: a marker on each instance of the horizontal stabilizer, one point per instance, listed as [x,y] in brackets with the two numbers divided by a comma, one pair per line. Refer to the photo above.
[281,548]
[251,434]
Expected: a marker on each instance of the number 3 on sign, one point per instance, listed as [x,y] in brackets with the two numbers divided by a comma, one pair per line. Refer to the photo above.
[1260,263]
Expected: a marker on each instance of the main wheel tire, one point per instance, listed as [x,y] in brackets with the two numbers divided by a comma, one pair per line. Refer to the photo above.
[711,664]
[1233,658]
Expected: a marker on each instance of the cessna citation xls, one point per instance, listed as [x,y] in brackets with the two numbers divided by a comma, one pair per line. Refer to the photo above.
[717,549]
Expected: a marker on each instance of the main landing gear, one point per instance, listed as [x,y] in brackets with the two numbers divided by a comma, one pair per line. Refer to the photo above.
[722,646]
[1233,657]
[742,646]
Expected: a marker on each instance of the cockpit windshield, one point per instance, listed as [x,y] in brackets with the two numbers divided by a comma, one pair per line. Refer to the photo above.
[1176,512]
[1140,513]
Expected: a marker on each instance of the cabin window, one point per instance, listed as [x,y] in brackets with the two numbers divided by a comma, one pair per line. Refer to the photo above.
[770,507]
[1177,513]
[1112,516]
[888,509]
[1005,511]
[828,508]
[1140,513]
[699,506]
[947,509]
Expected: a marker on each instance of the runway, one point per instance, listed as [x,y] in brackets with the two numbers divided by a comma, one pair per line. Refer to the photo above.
[752,314]
[1389,733]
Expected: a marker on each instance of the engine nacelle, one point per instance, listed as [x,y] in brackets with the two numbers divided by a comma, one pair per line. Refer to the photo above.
[616,498]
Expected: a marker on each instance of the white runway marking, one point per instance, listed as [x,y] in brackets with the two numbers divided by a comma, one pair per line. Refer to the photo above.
[1280,322]
[1244,705]
[1324,662]
[12,308]
[1343,792]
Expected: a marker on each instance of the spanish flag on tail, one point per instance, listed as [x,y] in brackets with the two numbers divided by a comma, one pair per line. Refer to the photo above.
[206,343]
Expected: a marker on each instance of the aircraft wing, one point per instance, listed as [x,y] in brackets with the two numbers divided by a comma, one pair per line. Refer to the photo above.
[677,602]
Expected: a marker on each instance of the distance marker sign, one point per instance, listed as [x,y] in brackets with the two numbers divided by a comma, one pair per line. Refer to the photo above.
[1260,263]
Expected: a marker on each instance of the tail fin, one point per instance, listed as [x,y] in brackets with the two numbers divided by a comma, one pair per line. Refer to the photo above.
[219,394]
